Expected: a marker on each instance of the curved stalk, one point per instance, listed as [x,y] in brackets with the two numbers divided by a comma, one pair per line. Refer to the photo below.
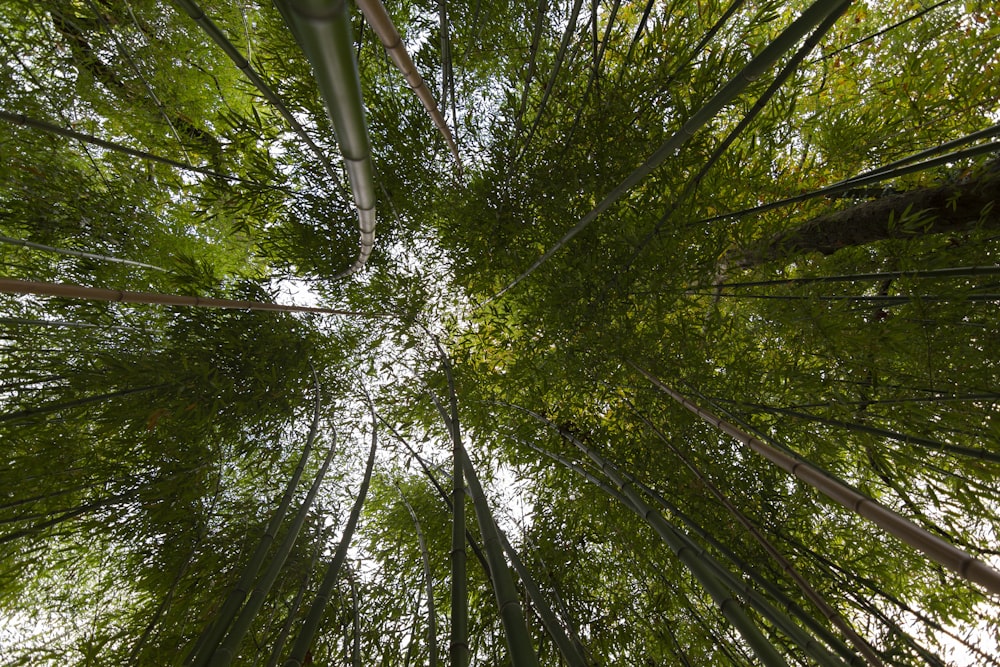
[279,643]
[323,28]
[209,640]
[78,253]
[933,547]
[318,608]
[227,651]
[34,123]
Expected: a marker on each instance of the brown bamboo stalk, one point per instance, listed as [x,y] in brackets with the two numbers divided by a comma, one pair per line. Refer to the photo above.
[378,18]
[933,547]
[12,286]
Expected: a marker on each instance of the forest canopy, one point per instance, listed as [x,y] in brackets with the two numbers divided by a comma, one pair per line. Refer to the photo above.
[620,332]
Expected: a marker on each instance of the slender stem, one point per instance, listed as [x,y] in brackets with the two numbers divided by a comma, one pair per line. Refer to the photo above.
[325,592]
[153,298]
[933,547]
[34,123]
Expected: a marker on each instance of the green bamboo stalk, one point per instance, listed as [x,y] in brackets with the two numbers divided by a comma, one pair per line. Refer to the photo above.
[761,604]
[556,66]
[127,55]
[536,35]
[905,438]
[522,653]
[34,123]
[432,647]
[459,643]
[209,640]
[197,14]
[445,498]
[322,599]
[67,291]
[293,610]
[571,652]
[323,28]
[932,546]
[863,647]
[729,606]
[951,272]
[889,299]
[66,405]
[255,601]
[809,645]
[356,624]
[217,647]
[810,18]
[879,33]
[378,18]
[47,323]
[78,253]
[772,589]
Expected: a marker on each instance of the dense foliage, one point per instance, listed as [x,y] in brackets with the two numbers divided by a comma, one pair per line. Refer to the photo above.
[794,232]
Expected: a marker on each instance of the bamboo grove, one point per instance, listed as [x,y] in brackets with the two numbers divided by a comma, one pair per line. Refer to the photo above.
[503,332]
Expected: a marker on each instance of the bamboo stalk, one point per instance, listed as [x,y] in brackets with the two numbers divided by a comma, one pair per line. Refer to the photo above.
[78,253]
[65,405]
[626,494]
[889,299]
[905,438]
[311,624]
[811,17]
[459,643]
[783,75]
[356,624]
[536,35]
[279,644]
[323,28]
[950,272]
[556,66]
[442,493]
[432,647]
[515,629]
[867,178]
[67,291]
[34,123]
[860,644]
[883,31]
[378,18]
[571,652]
[932,546]
[208,644]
